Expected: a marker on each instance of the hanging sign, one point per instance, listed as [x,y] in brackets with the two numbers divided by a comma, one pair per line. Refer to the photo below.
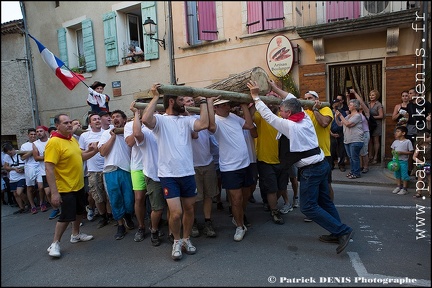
[280,56]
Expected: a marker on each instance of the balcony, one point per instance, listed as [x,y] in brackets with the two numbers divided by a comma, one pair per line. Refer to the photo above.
[327,19]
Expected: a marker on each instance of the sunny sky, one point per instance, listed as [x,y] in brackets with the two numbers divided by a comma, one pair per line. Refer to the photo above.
[10,10]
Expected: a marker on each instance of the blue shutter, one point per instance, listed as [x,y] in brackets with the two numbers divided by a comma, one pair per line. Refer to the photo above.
[62,45]
[151,47]
[110,39]
[207,20]
[273,15]
[88,43]
[255,16]
[192,23]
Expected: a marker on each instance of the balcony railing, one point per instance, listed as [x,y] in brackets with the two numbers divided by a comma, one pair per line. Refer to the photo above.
[309,13]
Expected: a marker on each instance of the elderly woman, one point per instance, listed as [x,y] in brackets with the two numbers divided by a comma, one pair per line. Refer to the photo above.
[353,136]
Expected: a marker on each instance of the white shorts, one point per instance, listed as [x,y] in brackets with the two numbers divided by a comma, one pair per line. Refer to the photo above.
[33,175]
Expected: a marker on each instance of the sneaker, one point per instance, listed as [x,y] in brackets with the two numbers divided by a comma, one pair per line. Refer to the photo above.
[171,238]
[54,214]
[208,229]
[103,222]
[139,235]
[396,190]
[121,232]
[188,247]
[195,232]
[80,237]
[90,214]
[34,210]
[307,219]
[403,191]
[276,217]
[296,202]
[54,250]
[128,222]
[286,208]
[154,238]
[176,253]
[43,207]
[239,234]
[219,206]
[266,207]
[329,238]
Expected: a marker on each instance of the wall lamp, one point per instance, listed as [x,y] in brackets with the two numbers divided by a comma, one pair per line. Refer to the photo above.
[150,30]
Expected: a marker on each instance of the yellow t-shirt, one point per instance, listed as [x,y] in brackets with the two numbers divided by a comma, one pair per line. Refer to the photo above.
[66,156]
[266,144]
[323,134]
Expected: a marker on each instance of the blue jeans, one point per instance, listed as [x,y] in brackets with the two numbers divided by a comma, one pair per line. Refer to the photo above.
[315,202]
[353,152]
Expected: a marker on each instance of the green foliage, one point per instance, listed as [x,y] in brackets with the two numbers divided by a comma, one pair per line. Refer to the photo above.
[288,84]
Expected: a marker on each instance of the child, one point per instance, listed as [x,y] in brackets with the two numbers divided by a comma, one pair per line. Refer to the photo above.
[403,148]
[422,162]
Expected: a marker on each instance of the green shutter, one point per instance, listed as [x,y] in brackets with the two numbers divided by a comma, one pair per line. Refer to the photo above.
[88,43]
[62,45]
[151,47]
[110,39]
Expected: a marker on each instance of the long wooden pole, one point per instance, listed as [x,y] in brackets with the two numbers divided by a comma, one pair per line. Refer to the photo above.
[226,95]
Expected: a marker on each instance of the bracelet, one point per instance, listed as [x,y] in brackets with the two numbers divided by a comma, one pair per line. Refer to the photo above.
[203,101]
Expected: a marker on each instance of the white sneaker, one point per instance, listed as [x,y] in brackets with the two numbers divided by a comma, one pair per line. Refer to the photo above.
[396,190]
[90,214]
[81,237]
[296,202]
[176,250]
[188,247]
[286,208]
[239,234]
[402,191]
[54,250]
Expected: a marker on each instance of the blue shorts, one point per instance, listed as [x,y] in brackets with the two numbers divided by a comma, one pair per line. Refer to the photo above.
[14,185]
[174,187]
[237,179]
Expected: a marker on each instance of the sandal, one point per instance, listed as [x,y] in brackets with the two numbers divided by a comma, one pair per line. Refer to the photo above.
[349,174]
[417,195]
[352,176]
[365,170]
[373,161]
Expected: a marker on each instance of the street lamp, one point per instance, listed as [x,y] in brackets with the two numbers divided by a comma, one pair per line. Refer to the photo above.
[150,30]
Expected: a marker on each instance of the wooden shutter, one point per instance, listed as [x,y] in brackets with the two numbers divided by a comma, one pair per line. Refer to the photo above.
[62,45]
[192,23]
[273,15]
[255,16]
[88,44]
[151,47]
[341,10]
[110,39]
[313,77]
[207,20]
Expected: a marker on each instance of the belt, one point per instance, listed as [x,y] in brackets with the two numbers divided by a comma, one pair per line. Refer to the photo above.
[312,165]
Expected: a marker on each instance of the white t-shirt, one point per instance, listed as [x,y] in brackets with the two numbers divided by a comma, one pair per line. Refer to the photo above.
[95,163]
[30,161]
[40,146]
[120,154]
[136,154]
[250,143]
[201,148]
[403,146]
[174,141]
[15,161]
[233,152]
[149,151]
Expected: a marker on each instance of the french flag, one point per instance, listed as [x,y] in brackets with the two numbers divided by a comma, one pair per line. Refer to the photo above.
[69,79]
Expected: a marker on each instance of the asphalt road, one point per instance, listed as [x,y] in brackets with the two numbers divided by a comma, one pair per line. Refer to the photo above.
[392,244]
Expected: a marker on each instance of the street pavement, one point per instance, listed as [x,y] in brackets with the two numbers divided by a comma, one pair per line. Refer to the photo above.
[391,244]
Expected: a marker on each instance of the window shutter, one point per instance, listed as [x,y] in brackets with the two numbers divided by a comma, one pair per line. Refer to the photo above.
[254,10]
[110,39]
[192,23]
[88,43]
[207,20]
[151,47]
[341,10]
[273,15]
[62,45]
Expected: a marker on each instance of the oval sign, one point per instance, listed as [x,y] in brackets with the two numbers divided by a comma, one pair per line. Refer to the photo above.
[280,56]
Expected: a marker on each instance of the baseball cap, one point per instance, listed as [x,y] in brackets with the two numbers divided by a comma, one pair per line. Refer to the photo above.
[220,101]
[313,93]
[336,101]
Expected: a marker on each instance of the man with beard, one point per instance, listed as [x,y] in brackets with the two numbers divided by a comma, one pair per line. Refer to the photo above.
[175,162]
[117,175]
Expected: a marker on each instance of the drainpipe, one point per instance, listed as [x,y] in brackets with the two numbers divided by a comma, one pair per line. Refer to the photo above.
[173,79]
[30,74]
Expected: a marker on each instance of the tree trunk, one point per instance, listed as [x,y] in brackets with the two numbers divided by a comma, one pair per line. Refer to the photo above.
[237,82]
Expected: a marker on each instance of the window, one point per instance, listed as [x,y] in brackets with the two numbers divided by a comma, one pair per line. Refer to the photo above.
[264,15]
[201,21]
[342,10]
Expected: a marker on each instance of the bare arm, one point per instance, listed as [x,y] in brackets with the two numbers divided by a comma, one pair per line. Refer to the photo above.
[211,113]
[36,155]
[50,176]
[105,149]
[148,117]
[362,103]
[203,122]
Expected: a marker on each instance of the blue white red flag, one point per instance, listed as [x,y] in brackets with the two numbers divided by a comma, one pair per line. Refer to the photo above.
[69,79]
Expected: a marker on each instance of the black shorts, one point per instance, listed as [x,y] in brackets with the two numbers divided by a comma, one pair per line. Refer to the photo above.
[73,204]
